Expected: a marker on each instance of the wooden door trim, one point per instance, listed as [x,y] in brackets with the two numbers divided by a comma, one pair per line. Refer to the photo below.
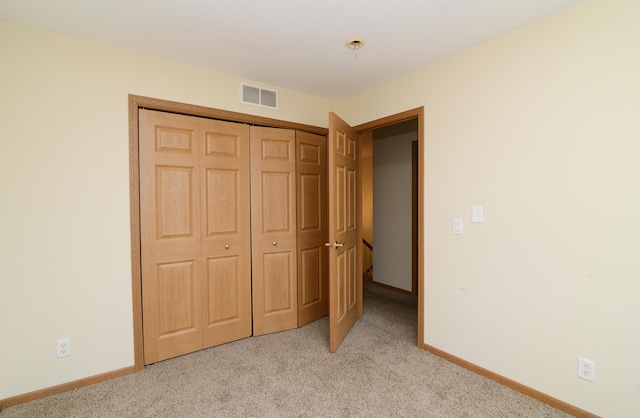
[142,102]
[392,120]
[415,183]
[417,113]
[212,113]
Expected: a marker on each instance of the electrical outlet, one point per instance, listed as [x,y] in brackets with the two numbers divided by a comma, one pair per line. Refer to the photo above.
[586,369]
[63,348]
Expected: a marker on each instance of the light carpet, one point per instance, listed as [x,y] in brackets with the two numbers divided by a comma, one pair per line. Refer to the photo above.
[377,372]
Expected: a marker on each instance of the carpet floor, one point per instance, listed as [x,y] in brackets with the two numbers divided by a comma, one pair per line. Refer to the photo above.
[378,371]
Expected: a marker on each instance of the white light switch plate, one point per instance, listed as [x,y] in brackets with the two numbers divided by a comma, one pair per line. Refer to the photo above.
[476,214]
[457,226]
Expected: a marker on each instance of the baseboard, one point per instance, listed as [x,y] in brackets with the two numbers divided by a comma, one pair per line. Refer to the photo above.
[53,390]
[395,289]
[549,400]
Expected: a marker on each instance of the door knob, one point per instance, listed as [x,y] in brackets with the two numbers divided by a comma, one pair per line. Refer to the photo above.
[336,245]
[226,247]
[275,242]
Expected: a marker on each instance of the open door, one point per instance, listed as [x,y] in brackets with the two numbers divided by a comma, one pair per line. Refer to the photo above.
[345,264]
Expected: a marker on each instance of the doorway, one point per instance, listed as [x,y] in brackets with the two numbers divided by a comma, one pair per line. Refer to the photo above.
[411,120]
[394,206]
[389,165]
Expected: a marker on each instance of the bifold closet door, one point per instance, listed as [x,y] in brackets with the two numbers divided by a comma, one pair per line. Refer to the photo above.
[273,221]
[194,217]
[226,232]
[313,279]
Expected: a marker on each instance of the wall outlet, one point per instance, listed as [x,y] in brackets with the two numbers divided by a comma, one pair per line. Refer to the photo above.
[586,369]
[63,348]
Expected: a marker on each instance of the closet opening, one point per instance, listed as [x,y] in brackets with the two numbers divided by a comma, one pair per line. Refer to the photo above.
[136,103]
[190,176]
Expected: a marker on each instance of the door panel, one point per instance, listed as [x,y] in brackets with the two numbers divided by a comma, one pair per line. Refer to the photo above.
[222,273]
[170,235]
[277,292]
[226,234]
[276,202]
[273,223]
[194,198]
[345,267]
[177,296]
[222,201]
[310,269]
[175,194]
[310,206]
[311,175]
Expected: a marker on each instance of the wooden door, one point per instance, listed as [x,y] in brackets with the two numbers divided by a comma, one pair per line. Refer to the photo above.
[170,235]
[273,223]
[345,264]
[311,179]
[226,232]
[191,288]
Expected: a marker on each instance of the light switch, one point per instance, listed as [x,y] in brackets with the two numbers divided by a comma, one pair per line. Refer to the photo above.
[476,214]
[457,226]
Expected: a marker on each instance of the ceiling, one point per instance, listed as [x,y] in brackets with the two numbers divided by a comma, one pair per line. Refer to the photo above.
[293,44]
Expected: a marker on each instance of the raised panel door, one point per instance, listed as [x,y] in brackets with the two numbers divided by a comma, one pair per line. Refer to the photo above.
[313,279]
[170,235]
[345,267]
[273,222]
[195,233]
[226,232]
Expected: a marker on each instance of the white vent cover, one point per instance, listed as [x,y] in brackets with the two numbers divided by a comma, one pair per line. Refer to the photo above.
[258,96]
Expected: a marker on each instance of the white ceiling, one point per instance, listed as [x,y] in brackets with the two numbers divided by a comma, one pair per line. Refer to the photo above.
[294,44]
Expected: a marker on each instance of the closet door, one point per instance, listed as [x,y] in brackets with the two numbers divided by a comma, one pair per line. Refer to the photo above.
[170,235]
[194,199]
[273,221]
[226,232]
[313,280]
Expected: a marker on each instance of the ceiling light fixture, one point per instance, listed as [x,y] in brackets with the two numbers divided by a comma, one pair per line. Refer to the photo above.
[355,44]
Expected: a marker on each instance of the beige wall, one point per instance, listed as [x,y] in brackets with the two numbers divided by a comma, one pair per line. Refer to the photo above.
[539,126]
[542,128]
[64,193]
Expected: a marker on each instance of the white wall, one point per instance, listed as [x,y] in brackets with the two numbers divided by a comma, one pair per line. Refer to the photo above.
[541,127]
[64,193]
[392,206]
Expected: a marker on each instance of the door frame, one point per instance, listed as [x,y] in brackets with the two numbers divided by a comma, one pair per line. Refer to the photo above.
[141,102]
[412,114]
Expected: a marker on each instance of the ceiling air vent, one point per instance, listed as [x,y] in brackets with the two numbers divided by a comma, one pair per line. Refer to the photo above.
[258,96]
